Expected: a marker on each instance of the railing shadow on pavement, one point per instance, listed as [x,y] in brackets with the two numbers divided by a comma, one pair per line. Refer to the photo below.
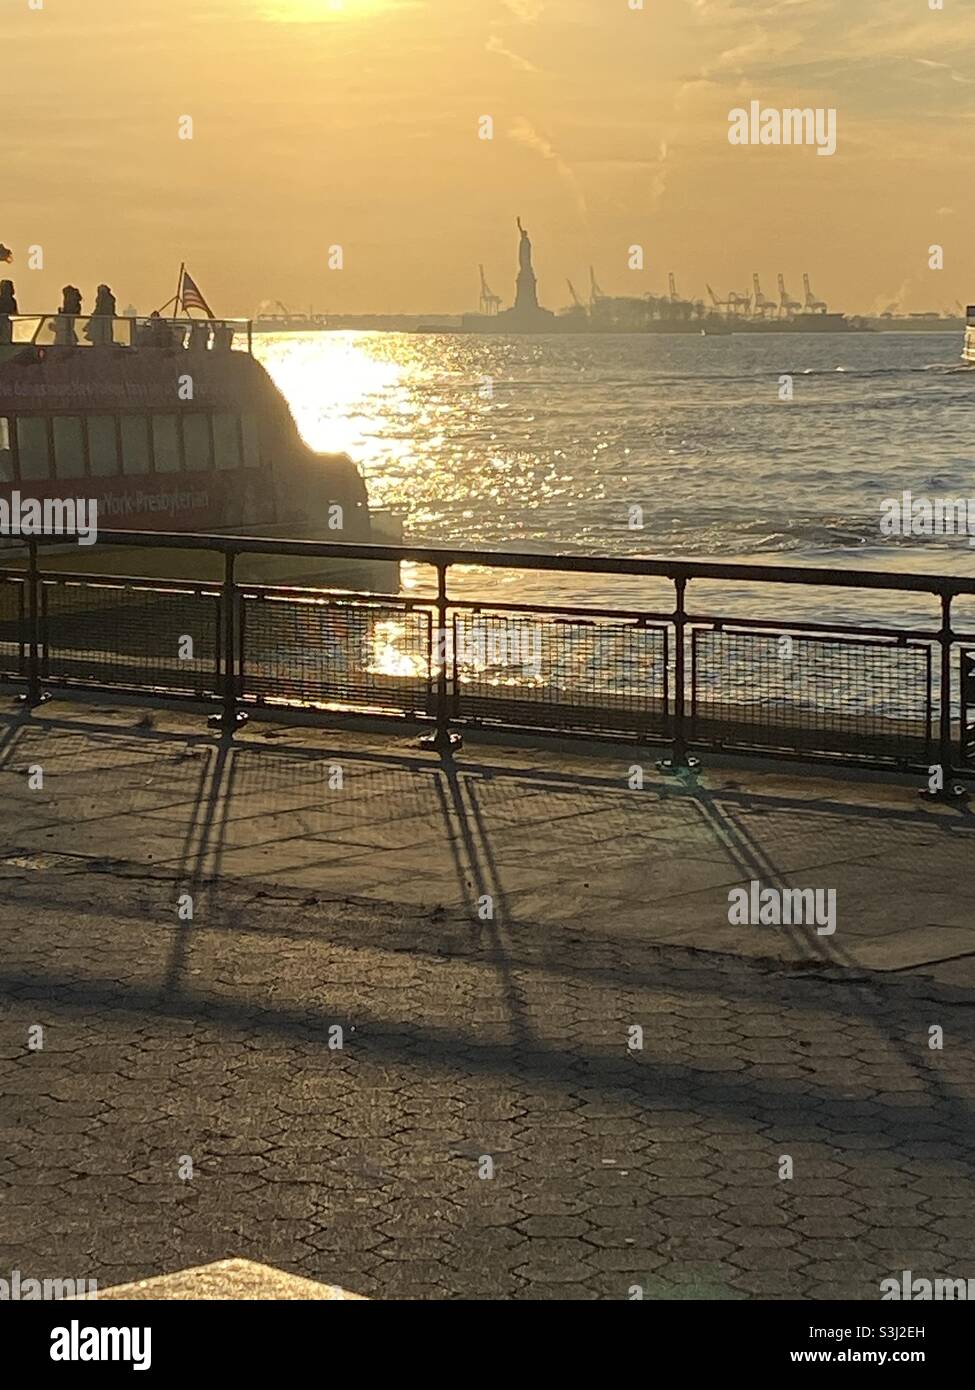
[210,811]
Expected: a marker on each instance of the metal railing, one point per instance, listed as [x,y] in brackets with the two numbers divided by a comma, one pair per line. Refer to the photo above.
[94,330]
[870,695]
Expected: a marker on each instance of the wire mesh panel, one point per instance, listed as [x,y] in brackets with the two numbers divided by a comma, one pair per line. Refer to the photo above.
[802,693]
[130,635]
[13,628]
[534,670]
[320,649]
[967,656]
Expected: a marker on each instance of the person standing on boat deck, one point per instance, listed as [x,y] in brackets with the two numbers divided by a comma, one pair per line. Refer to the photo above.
[64,334]
[8,306]
[154,332]
[99,329]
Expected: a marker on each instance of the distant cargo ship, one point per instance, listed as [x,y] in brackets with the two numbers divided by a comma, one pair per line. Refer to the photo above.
[290,323]
[797,323]
[914,323]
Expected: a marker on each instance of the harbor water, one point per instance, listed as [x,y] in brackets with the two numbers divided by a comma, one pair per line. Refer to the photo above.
[684,446]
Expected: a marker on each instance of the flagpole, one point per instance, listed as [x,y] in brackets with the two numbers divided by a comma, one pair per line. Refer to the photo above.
[179,288]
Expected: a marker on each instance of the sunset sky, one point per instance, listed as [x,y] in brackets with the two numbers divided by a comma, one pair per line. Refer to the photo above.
[356,123]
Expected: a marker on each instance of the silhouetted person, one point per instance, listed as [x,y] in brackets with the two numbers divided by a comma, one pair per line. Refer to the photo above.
[8,306]
[100,328]
[223,337]
[154,332]
[105,302]
[64,334]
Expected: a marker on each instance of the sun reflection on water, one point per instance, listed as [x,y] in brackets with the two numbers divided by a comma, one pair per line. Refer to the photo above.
[388,656]
[416,418]
[340,393]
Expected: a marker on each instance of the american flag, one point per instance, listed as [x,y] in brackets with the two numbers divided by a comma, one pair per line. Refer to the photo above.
[191,296]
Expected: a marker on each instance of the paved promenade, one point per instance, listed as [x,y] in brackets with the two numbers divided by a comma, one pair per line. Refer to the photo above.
[486,1128]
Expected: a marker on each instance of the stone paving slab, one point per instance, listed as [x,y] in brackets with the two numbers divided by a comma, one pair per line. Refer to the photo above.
[487,1129]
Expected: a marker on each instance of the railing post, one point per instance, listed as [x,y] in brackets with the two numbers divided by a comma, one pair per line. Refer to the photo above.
[966,731]
[35,695]
[230,718]
[944,788]
[679,758]
[442,740]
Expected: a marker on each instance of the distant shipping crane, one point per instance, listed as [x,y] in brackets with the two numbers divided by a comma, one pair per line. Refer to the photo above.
[490,302]
[674,296]
[762,305]
[577,302]
[735,303]
[718,303]
[812,304]
[787,305]
[595,293]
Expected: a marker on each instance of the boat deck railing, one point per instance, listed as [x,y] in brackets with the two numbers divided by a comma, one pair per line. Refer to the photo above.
[98,330]
[686,677]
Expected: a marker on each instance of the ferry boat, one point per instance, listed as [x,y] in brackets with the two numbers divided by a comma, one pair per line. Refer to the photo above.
[968,351]
[172,425]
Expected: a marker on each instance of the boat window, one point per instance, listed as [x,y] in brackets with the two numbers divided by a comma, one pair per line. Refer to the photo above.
[135,444]
[69,447]
[165,443]
[252,442]
[32,447]
[6,453]
[226,441]
[196,441]
[102,446]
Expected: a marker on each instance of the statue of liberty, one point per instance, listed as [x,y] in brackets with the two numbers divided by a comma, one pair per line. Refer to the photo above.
[525,249]
[526,295]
